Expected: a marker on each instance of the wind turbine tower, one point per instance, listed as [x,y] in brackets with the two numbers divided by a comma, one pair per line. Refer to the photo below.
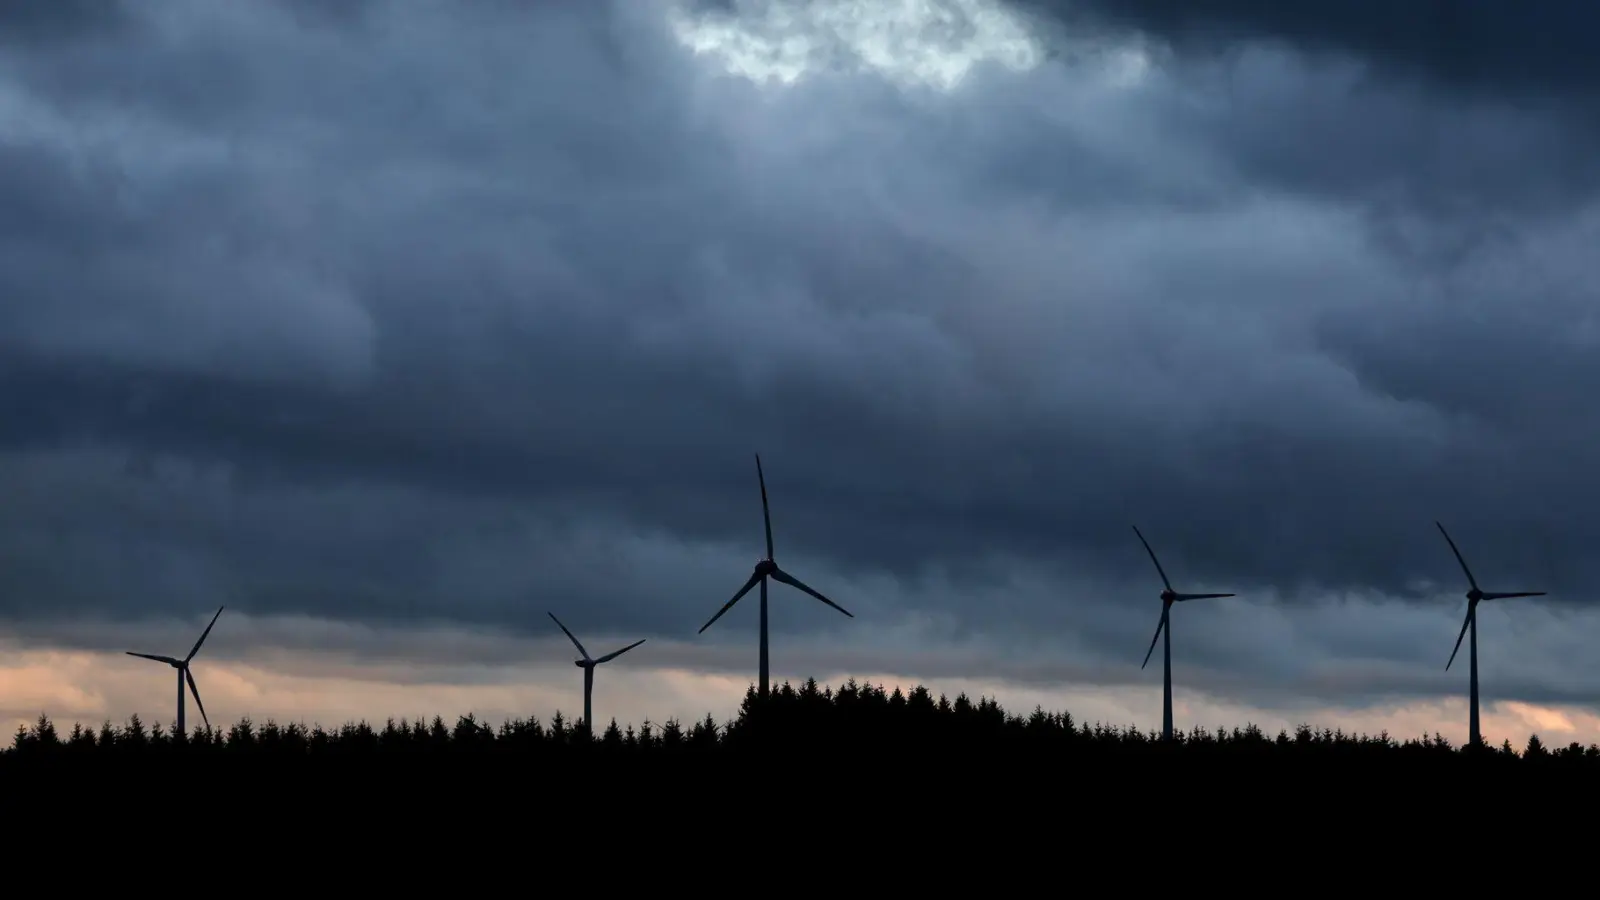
[765,569]
[1474,597]
[587,665]
[184,675]
[1163,627]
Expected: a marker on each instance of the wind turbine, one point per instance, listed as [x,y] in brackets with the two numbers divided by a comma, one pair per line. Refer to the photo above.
[182,665]
[1164,627]
[1474,737]
[587,665]
[765,569]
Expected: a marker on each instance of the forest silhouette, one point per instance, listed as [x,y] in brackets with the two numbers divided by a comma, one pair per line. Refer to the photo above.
[857,720]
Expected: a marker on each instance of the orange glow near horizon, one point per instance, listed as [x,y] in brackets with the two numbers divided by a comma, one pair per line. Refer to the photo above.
[91,688]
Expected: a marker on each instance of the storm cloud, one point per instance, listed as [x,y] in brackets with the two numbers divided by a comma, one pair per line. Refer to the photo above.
[1540,53]
[443,315]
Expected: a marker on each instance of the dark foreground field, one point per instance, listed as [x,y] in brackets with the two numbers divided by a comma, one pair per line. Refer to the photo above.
[853,723]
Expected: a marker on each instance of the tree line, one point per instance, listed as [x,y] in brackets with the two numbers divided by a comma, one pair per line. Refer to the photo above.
[809,720]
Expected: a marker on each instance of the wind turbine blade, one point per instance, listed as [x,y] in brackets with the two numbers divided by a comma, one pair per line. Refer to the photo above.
[1505,596]
[1159,625]
[203,635]
[1464,623]
[1459,558]
[766,513]
[792,581]
[569,634]
[195,690]
[1153,557]
[610,656]
[1201,596]
[729,605]
[165,659]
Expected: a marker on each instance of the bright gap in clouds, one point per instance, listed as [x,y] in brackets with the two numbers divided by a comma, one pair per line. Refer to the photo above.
[923,43]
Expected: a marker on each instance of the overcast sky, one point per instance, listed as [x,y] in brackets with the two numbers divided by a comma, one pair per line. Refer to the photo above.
[395,325]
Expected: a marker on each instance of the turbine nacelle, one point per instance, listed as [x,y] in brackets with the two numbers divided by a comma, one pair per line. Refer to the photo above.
[588,662]
[1169,596]
[765,568]
[1474,595]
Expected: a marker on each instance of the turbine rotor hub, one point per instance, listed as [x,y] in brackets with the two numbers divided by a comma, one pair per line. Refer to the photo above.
[766,567]
[1168,596]
[1474,595]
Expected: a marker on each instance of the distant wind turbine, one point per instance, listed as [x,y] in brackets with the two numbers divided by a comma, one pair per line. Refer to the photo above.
[1474,736]
[182,665]
[765,569]
[1164,627]
[587,665]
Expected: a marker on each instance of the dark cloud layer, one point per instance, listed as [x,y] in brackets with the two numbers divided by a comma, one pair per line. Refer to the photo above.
[42,24]
[1535,52]
[1475,113]
[444,314]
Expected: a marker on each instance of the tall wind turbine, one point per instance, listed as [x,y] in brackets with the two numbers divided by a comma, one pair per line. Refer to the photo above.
[765,569]
[1474,737]
[182,665]
[1164,627]
[587,665]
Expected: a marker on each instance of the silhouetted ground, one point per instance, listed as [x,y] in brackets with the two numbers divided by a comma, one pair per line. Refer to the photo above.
[851,726]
